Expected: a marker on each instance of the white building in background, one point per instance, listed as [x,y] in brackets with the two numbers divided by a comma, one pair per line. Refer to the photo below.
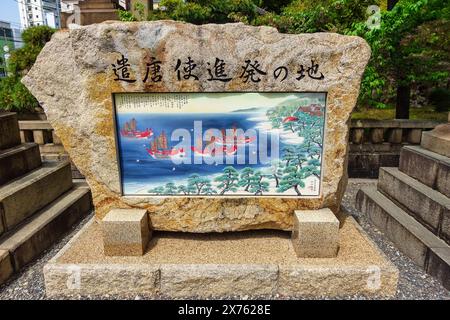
[67,5]
[39,13]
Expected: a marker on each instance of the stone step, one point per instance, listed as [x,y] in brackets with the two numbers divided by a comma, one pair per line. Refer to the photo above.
[430,168]
[19,160]
[6,268]
[412,238]
[47,226]
[437,140]
[9,130]
[22,197]
[428,206]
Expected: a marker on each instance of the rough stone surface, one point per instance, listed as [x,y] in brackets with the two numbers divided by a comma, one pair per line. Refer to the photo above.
[100,279]
[73,80]
[443,178]
[306,281]
[248,264]
[420,164]
[22,197]
[126,232]
[426,205]
[6,268]
[426,166]
[422,246]
[9,130]
[437,140]
[47,226]
[211,280]
[315,233]
[18,160]
[383,213]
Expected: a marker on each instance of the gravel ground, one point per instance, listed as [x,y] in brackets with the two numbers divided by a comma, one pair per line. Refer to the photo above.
[413,282]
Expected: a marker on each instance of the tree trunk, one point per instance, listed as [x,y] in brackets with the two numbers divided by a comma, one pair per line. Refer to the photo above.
[403,102]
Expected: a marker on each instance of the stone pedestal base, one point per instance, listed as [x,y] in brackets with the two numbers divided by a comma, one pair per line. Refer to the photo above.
[260,264]
[126,232]
[315,233]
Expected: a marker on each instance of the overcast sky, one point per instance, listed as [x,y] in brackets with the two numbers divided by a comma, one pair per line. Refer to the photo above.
[9,12]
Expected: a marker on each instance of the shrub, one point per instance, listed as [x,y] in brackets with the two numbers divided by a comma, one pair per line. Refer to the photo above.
[14,96]
[440,99]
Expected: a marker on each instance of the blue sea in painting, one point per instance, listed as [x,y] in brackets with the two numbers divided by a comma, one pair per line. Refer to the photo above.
[140,170]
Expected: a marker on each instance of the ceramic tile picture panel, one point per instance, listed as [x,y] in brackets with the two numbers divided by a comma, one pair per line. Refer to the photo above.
[220,144]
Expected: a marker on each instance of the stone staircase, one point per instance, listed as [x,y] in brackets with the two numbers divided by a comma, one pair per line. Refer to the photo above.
[411,205]
[39,202]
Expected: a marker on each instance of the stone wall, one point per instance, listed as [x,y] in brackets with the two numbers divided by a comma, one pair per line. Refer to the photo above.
[377,143]
[51,148]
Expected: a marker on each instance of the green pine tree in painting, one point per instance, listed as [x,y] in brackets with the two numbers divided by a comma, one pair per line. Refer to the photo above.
[290,126]
[274,118]
[300,157]
[277,167]
[257,185]
[208,189]
[228,180]
[313,168]
[197,183]
[170,188]
[246,178]
[292,178]
[289,155]
[158,190]
[183,189]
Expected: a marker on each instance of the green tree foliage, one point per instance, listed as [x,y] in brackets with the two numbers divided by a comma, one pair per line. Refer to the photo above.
[228,180]
[440,99]
[183,190]
[158,190]
[199,11]
[298,161]
[246,176]
[292,178]
[277,168]
[410,47]
[197,184]
[14,95]
[170,188]
[305,16]
[257,185]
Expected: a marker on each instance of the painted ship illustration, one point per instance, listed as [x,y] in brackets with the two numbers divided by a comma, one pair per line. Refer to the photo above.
[223,144]
[129,130]
[159,148]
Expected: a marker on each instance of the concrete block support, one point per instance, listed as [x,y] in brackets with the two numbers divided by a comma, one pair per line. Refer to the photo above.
[315,233]
[126,232]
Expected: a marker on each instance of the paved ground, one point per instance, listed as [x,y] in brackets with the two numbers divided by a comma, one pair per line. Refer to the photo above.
[413,283]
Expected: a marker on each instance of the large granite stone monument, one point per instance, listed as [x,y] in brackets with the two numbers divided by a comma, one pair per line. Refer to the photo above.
[91,83]
[209,128]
